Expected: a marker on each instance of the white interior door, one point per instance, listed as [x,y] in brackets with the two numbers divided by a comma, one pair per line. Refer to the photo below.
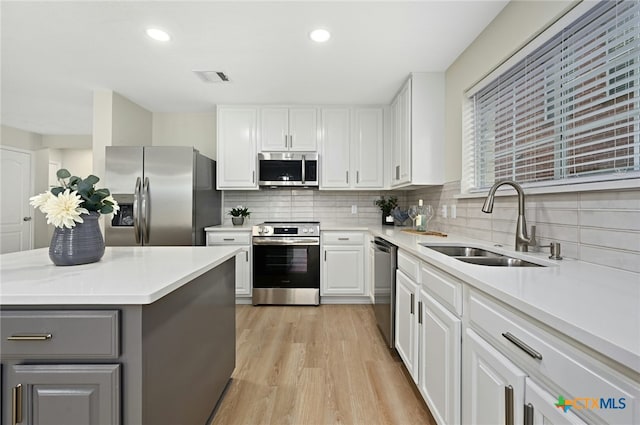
[15,190]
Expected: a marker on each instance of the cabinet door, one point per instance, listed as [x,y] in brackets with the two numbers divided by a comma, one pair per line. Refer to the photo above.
[406,135]
[66,394]
[540,408]
[237,148]
[243,272]
[440,360]
[401,153]
[493,386]
[303,129]
[367,147]
[343,270]
[274,129]
[335,148]
[406,322]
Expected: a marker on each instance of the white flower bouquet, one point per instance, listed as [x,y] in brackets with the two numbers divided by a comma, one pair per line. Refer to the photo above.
[64,205]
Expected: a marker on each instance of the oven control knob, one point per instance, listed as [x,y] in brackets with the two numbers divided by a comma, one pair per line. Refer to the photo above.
[261,230]
[305,230]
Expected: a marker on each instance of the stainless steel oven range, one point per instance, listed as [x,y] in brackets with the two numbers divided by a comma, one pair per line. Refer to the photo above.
[286,263]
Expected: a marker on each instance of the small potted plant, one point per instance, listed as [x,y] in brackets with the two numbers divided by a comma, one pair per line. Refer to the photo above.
[386,206]
[238,214]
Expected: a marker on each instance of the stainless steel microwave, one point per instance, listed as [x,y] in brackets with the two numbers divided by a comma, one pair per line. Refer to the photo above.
[288,169]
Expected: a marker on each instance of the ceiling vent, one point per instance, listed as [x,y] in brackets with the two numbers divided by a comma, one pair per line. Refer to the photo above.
[212,76]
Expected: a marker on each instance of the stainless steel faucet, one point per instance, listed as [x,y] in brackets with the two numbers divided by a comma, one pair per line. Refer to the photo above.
[523,241]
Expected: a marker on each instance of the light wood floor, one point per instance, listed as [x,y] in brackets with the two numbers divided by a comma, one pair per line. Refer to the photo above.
[316,365]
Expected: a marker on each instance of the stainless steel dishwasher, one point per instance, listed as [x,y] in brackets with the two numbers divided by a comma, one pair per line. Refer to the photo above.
[385,260]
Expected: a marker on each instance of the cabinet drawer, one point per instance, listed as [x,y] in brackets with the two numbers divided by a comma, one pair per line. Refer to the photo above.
[343,238]
[73,334]
[409,265]
[444,288]
[576,374]
[228,238]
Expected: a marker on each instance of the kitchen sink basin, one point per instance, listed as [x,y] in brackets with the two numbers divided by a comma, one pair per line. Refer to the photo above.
[480,256]
[462,251]
[502,261]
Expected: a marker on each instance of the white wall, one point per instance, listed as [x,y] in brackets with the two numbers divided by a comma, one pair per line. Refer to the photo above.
[79,162]
[186,129]
[10,136]
[71,141]
[518,23]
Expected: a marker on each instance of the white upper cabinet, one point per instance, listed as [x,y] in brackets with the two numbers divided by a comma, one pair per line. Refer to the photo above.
[288,129]
[237,147]
[334,158]
[352,148]
[417,154]
[367,147]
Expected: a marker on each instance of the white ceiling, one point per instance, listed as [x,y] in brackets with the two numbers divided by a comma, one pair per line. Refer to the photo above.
[55,53]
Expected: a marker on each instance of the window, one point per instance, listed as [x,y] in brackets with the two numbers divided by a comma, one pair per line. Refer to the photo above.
[567,112]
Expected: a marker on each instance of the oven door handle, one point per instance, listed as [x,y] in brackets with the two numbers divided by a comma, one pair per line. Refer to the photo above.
[287,242]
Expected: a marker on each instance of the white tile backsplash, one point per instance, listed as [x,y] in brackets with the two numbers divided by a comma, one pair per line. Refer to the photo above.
[601,227]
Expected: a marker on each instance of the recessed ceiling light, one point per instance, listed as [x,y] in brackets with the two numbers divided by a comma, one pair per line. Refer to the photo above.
[320,35]
[158,34]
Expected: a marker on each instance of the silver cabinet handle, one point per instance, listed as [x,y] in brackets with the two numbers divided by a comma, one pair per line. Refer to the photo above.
[29,337]
[343,239]
[347,176]
[26,218]
[528,414]
[420,312]
[253,177]
[522,345]
[229,239]
[286,141]
[325,255]
[412,299]
[357,176]
[291,141]
[508,405]
[397,172]
[246,254]
[16,404]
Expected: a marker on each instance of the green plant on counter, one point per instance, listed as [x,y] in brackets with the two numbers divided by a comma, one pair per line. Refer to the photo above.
[387,205]
[239,211]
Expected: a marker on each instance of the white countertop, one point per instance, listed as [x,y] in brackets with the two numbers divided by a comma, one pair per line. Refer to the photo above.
[595,305]
[124,275]
[226,228]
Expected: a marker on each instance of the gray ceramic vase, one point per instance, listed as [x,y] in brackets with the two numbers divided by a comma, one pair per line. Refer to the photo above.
[81,244]
[237,221]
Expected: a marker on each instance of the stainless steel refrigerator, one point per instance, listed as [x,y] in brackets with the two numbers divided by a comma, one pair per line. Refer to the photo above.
[167,195]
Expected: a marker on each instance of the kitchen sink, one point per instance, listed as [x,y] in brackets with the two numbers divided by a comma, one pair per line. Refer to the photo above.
[480,256]
[462,251]
[502,261]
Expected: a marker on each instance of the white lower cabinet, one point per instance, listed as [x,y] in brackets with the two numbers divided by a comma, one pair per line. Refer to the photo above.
[493,387]
[439,359]
[343,267]
[406,322]
[540,408]
[243,259]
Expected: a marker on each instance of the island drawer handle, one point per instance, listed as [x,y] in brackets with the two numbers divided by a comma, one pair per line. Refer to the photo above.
[523,346]
[229,239]
[29,337]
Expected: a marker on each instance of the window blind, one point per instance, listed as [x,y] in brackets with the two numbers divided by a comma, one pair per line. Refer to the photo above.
[569,110]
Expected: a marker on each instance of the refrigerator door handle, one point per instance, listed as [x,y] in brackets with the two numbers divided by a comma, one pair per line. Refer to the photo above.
[136,210]
[145,211]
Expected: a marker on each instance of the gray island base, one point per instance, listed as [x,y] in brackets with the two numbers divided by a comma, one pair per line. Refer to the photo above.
[166,362]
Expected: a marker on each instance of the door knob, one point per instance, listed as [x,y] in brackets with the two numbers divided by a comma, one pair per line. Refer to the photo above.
[26,218]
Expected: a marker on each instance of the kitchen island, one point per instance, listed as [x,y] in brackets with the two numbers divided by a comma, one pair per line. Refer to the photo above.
[144,336]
